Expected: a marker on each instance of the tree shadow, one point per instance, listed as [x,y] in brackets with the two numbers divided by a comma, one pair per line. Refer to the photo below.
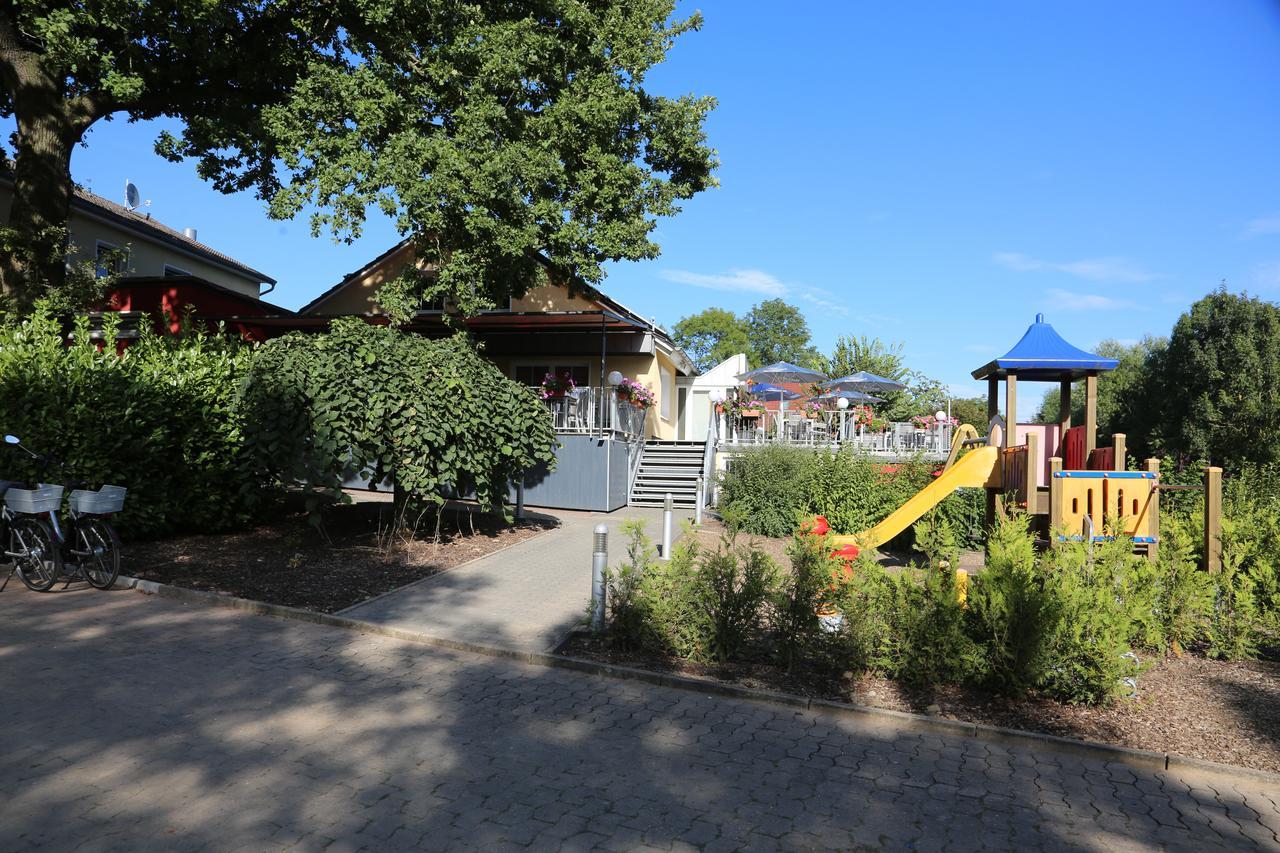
[133,721]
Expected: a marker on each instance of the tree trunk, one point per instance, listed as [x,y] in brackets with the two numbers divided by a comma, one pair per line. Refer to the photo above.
[38,217]
[35,241]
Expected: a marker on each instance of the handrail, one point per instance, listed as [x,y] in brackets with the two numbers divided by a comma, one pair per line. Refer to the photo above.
[708,455]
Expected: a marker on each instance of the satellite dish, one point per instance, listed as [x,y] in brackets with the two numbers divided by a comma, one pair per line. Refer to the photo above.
[131,195]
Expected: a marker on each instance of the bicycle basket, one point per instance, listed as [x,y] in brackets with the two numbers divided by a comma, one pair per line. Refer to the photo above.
[33,501]
[105,500]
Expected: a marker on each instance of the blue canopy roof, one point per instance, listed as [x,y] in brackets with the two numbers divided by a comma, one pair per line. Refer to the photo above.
[1042,354]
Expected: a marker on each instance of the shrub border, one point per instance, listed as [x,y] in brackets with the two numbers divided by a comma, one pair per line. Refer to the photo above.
[902,720]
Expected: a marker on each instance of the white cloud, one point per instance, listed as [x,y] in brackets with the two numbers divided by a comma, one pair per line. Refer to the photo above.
[1092,269]
[758,282]
[1068,300]
[1261,226]
[752,281]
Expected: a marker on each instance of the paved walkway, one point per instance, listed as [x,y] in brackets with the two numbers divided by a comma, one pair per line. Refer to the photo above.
[526,598]
[129,722]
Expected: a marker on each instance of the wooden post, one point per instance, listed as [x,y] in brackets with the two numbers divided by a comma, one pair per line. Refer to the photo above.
[1064,415]
[1010,411]
[1117,444]
[1153,465]
[1030,480]
[993,398]
[1055,496]
[1090,416]
[1213,519]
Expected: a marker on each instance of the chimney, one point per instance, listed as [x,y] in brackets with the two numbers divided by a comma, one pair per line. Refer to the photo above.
[189,233]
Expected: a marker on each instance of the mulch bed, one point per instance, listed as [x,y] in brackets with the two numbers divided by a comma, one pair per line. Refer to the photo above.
[1221,711]
[287,561]
[1213,710]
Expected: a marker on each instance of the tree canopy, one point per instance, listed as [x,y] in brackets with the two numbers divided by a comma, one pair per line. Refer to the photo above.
[491,133]
[711,336]
[1121,403]
[779,332]
[852,354]
[1215,389]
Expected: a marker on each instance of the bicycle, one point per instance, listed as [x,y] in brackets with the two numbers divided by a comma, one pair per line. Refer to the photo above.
[40,549]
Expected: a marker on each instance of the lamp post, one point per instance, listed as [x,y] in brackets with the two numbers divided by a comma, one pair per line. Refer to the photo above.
[939,418]
[842,403]
[614,379]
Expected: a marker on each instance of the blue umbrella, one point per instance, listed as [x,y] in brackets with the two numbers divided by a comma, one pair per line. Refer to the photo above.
[863,381]
[771,392]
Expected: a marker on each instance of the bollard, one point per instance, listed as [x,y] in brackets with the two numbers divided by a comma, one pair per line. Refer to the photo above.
[599,565]
[666,527]
[520,499]
[698,497]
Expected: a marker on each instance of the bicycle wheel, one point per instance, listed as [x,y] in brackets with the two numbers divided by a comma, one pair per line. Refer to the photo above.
[36,556]
[101,562]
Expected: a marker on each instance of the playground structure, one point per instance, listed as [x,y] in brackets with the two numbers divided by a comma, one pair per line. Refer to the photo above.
[1055,472]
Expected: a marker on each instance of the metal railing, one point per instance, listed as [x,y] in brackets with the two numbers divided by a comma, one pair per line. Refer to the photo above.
[587,411]
[829,429]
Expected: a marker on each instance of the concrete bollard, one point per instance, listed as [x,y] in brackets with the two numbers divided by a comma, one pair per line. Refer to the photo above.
[698,498]
[520,499]
[599,565]
[666,527]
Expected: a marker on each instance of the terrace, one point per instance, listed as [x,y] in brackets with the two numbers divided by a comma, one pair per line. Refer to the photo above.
[833,430]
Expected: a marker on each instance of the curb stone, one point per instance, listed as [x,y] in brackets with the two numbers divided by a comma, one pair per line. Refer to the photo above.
[901,720]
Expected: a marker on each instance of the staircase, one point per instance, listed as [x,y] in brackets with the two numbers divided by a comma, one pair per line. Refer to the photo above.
[668,466]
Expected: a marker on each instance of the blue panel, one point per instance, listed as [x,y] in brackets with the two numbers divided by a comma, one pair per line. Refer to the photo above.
[1105,475]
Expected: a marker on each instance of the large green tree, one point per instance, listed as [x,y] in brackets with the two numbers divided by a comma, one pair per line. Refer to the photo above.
[711,336]
[1122,406]
[779,332]
[1215,390]
[491,132]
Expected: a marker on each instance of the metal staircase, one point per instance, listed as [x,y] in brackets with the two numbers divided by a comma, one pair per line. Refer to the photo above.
[668,466]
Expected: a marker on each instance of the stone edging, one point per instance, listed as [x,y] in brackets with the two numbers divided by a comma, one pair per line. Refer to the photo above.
[1143,759]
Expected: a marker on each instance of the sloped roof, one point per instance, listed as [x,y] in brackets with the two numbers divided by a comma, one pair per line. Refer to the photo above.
[142,224]
[1043,354]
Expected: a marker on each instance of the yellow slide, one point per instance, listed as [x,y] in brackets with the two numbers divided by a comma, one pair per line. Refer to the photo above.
[972,470]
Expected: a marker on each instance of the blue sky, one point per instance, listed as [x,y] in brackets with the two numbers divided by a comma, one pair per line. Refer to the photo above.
[931,173]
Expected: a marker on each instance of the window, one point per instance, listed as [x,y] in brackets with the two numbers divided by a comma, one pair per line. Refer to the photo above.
[170,271]
[110,260]
[532,374]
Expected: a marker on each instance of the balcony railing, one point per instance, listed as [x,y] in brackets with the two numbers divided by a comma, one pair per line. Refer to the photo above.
[586,411]
[827,429]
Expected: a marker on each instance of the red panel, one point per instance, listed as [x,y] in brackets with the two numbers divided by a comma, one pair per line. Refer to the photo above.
[1073,446]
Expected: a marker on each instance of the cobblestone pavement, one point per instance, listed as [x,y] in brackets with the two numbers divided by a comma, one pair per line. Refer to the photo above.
[129,722]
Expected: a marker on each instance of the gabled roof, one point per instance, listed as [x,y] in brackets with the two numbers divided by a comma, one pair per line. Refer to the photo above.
[142,224]
[1043,355]
[608,302]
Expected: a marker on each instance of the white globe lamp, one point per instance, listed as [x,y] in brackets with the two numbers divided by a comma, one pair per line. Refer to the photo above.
[615,378]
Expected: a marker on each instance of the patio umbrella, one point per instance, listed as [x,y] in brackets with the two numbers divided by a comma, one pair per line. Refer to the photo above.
[866,382]
[772,392]
[782,371]
[850,395]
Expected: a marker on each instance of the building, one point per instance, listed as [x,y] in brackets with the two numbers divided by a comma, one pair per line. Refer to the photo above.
[163,271]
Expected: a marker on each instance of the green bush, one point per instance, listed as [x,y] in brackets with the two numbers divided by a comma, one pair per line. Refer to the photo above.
[770,490]
[160,419]
[627,609]
[727,597]
[1012,615]
[433,415]
[797,597]
[765,490]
